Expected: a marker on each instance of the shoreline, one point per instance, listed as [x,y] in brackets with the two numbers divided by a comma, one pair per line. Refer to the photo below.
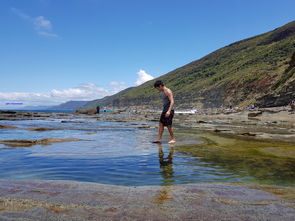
[267,123]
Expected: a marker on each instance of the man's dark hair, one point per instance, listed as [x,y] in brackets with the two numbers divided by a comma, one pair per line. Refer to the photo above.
[158,84]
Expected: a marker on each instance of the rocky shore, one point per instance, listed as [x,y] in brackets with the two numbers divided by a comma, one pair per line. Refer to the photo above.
[70,200]
[268,123]
[28,115]
[272,123]
[266,138]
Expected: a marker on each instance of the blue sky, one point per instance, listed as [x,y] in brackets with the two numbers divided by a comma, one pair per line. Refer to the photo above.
[52,51]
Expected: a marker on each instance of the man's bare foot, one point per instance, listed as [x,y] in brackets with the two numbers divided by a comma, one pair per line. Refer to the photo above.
[172,141]
[157,141]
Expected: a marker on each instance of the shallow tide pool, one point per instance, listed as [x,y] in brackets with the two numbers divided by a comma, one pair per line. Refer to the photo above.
[120,153]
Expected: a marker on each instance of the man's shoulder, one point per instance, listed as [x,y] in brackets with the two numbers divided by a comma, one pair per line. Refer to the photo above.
[167,90]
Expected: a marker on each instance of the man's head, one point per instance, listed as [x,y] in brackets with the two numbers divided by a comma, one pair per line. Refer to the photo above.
[159,85]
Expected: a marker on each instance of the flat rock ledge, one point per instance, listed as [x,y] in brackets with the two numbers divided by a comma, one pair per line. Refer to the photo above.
[30,142]
[71,200]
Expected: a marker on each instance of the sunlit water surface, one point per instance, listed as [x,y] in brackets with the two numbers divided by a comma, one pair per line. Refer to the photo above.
[108,153]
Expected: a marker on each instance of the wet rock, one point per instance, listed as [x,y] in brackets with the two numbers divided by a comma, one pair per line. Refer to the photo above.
[254,113]
[7,112]
[62,114]
[4,126]
[30,142]
[22,115]
[19,142]
[248,134]
[91,111]
[145,127]
[28,115]
[41,129]
[46,141]
[90,201]
[120,121]
[90,133]
[71,121]
[253,118]
[220,130]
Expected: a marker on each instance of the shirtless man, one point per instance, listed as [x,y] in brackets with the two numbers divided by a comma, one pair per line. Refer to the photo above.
[167,113]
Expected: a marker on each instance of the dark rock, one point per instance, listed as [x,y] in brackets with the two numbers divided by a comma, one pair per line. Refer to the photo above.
[62,114]
[282,98]
[2,126]
[41,129]
[220,130]
[7,112]
[71,121]
[248,134]
[91,111]
[253,118]
[255,114]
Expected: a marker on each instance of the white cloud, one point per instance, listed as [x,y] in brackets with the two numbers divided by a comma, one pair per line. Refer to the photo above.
[42,25]
[143,77]
[20,14]
[47,34]
[116,83]
[86,92]
[117,86]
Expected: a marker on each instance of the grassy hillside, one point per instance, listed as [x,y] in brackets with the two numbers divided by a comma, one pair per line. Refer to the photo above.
[255,70]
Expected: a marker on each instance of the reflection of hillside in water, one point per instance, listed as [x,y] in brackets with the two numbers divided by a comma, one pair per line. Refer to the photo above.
[247,159]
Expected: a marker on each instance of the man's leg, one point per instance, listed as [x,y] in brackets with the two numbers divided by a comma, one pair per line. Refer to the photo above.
[171,134]
[161,130]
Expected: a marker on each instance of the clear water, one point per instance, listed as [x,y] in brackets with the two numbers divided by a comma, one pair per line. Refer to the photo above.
[114,153]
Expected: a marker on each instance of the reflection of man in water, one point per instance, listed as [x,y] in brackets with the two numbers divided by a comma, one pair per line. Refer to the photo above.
[166,164]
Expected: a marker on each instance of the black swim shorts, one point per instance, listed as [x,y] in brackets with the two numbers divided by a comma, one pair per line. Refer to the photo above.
[167,121]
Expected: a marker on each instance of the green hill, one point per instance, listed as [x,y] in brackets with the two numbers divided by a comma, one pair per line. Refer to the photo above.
[258,70]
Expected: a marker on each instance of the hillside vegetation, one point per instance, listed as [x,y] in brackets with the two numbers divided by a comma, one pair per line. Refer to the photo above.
[257,70]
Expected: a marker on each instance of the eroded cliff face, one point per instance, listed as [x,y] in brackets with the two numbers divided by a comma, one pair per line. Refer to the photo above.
[283,91]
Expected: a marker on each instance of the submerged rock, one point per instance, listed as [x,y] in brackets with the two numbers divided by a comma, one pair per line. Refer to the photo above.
[19,142]
[31,142]
[90,133]
[50,140]
[41,129]
[5,126]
